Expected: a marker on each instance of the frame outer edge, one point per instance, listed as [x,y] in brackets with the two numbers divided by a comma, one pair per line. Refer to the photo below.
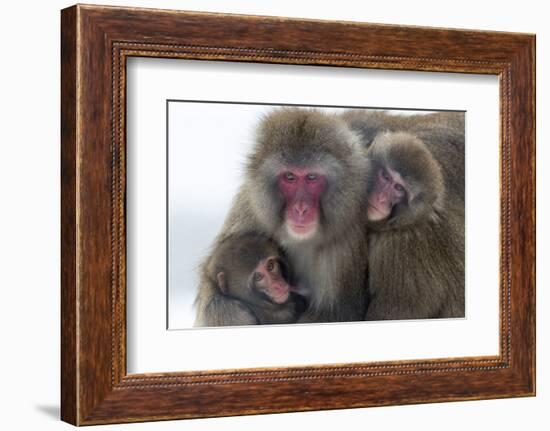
[69,411]
[531,83]
[87,399]
[523,203]
[533,55]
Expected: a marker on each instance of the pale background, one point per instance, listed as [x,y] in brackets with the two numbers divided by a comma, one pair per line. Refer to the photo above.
[151,81]
[218,136]
[29,228]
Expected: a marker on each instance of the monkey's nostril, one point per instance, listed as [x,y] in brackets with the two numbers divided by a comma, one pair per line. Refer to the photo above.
[300,209]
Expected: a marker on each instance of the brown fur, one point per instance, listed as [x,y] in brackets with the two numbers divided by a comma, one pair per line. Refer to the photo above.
[416,256]
[406,154]
[237,257]
[330,267]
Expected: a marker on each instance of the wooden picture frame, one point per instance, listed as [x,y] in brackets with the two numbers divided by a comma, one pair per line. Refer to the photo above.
[95,43]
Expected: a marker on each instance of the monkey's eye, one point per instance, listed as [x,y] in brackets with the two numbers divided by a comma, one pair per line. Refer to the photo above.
[311,177]
[399,188]
[385,175]
[289,176]
[270,265]
[258,276]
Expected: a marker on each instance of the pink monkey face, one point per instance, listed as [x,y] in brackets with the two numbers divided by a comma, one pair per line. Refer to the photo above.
[302,190]
[268,279]
[389,190]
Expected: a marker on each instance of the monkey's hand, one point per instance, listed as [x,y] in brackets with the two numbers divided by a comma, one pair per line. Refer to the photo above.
[224,311]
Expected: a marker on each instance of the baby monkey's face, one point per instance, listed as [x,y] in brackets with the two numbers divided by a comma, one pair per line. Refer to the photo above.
[268,280]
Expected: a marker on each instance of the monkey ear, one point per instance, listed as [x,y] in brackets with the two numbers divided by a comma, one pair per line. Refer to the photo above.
[222,284]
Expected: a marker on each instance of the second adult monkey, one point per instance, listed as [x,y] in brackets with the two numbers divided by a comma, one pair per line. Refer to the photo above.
[415,191]
[304,188]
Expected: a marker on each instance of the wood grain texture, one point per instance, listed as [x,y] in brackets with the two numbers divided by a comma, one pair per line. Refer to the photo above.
[68,218]
[96,41]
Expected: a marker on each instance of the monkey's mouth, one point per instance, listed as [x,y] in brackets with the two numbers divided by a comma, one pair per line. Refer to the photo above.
[303,227]
[375,214]
[279,294]
[302,230]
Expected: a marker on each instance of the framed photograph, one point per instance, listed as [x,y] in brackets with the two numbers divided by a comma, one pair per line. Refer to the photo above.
[264,215]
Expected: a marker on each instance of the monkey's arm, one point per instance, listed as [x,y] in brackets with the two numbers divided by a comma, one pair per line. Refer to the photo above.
[344,311]
[215,309]
[341,277]
[287,313]
[316,316]
[418,276]
[348,306]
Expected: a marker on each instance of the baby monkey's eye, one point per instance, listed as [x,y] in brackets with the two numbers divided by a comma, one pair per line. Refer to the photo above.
[272,265]
[400,188]
[258,276]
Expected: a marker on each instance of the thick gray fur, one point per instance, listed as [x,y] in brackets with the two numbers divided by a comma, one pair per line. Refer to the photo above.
[331,266]
[416,257]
